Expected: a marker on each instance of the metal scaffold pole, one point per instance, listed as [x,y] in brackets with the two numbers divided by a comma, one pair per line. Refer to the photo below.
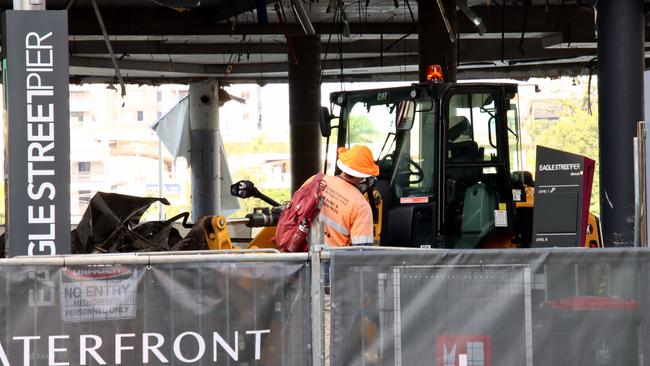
[315,255]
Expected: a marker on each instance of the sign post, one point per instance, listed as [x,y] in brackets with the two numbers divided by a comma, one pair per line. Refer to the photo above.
[37,132]
[562,194]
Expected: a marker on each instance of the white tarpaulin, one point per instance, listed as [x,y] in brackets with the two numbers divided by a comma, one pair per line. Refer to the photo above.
[173,129]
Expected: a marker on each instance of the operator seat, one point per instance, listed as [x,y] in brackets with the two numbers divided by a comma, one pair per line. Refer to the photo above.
[462,149]
[459,126]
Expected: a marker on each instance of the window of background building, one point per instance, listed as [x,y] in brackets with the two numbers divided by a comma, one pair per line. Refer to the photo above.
[159,96]
[140,116]
[78,116]
[84,197]
[83,166]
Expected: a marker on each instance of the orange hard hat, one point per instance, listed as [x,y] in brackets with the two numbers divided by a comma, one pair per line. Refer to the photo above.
[357,161]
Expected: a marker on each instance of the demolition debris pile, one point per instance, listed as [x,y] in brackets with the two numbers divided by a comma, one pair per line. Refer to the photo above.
[111,224]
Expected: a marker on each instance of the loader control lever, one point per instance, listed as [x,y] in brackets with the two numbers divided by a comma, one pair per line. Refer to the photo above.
[246,189]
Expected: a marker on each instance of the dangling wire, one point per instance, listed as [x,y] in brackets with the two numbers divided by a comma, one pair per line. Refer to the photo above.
[503,30]
[327,46]
[341,76]
[593,65]
[413,29]
[524,8]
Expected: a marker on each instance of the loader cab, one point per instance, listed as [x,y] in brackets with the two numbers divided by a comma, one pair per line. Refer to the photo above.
[477,162]
[444,157]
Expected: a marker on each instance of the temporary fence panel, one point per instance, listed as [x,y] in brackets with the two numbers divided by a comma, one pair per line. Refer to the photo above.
[544,307]
[199,313]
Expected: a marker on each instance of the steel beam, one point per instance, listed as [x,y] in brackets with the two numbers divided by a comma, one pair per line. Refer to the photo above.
[470,50]
[521,71]
[147,21]
[532,52]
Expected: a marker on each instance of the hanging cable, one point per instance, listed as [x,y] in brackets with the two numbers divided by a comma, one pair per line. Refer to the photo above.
[524,7]
[503,30]
[340,41]
[445,20]
[279,10]
[345,31]
[593,65]
[408,5]
[327,46]
[381,50]
[118,75]
[396,41]
[341,75]
[413,29]
[302,17]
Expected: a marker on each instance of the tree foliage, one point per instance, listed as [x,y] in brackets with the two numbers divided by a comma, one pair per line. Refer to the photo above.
[258,144]
[362,130]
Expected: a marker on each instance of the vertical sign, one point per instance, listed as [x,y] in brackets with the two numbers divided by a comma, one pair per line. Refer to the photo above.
[562,194]
[37,132]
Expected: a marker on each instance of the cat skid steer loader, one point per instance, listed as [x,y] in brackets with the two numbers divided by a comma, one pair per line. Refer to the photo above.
[450,163]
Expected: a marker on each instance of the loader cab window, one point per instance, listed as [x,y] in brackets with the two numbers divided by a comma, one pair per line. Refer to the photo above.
[413,175]
[404,152]
[407,149]
[471,131]
[372,125]
[476,166]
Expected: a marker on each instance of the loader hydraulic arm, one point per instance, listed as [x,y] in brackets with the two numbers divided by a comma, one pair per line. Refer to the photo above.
[215,227]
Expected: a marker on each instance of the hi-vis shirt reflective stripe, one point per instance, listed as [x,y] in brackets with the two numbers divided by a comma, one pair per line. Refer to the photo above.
[346,215]
[335,225]
[361,240]
[356,240]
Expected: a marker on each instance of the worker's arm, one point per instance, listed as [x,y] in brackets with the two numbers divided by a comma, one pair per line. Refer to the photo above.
[361,230]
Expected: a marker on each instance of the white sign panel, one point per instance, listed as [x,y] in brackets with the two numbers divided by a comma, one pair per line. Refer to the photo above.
[93,296]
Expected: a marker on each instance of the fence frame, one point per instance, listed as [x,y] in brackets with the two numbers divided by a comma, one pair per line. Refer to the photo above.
[315,258]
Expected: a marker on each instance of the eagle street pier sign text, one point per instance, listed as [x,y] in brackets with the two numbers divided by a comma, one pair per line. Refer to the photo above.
[37,132]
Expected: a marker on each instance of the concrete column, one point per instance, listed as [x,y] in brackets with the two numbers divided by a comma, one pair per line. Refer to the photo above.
[620,107]
[304,107]
[204,148]
[435,45]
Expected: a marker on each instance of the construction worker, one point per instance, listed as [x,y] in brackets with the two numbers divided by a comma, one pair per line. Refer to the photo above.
[346,214]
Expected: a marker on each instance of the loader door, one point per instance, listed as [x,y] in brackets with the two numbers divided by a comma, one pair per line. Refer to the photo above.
[476,164]
[412,217]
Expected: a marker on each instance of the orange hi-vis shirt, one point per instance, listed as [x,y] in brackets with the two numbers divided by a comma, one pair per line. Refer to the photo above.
[346,215]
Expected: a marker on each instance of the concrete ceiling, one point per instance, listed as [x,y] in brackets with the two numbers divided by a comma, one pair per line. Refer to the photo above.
[159,41]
